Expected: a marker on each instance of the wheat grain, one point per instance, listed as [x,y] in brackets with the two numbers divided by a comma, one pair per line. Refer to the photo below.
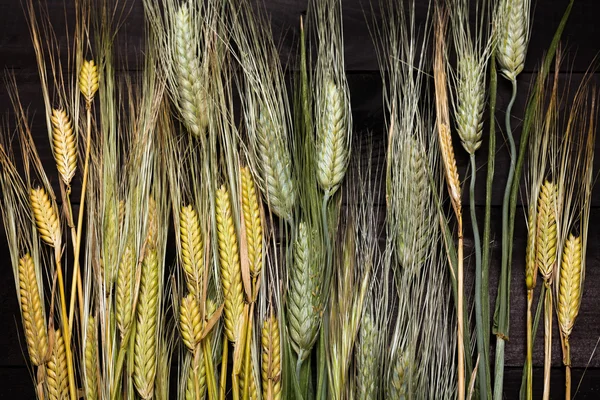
[303,304]
[46,217]
[124,295]
[57,379]
[512,36]
[88,81]
[191,248]
[229,258]
[252,222]
[569,288]
[190,91]
[190,322]
[271,359]
[91,360]
[64,145]
[546,238]
[144,371]
[332,137]
[276,167]
[32,311]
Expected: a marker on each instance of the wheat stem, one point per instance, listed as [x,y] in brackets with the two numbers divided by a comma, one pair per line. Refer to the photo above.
[224,360]
[529,361]
[547,339]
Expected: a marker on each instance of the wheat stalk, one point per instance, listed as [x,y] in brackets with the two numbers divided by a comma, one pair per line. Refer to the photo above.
[190,322]
[190,91]
[88,81]
[304,304]
[190,236]
[252,222]
[512,36]
[229,258]
[57,379]
[91,360]
[124,291]
[144,357]
[271,359]
[546,236]
[64,145]
[46,217]
[32,311]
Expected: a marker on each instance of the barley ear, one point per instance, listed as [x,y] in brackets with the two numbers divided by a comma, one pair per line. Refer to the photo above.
[124,291]
[569,289]
[271,359]
[190,91]
[190,323]
[57,380]
[252,222]
[229,259]
[332,138]
[147,321]
[91,360]
[64,145]
[190,237]
[88,81]
[546,238]
[46,217]
[32,311]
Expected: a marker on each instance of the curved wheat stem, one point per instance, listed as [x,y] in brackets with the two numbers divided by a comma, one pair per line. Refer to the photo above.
[32,311]
[144,357]
[190,236]
[229,258]
[64,145]
[58,381]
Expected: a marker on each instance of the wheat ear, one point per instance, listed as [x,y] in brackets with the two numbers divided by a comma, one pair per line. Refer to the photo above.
[191,248]
[144,357]
[271,359]
[512,36]
[190,91]
[32,311]
[275,165]
[190,322]
[57,379]
[531,265]
[195,386]
[546,238]
[303,304]
[152,224]
[229,258]
[470,102]
[124,291]
[91,360]
[569,288]
[400,378]
[64,145]
[252,222]
[46,217]
[88,81]
[367,359]
[332,138]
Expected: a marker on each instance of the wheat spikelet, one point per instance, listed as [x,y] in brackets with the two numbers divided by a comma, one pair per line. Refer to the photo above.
[57,380]
[303,304]
[400,378]
[271,359]
[195,387]
[229,258]
[531,266]
[470,103]
[190,322]
[569,288]
[512,36]
[190,91]
[32,311]
[88,80]
[190,237]
[366,359]
[332,138]
[124,295]
[252,222]
[91,360]
[46,218]
[145,334]
[64,145]
[546,238]
[450,168]
[275,166]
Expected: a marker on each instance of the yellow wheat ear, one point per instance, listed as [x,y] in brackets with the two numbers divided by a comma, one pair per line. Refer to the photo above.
[46,219]
[64,145]
[88,80]
[32,311]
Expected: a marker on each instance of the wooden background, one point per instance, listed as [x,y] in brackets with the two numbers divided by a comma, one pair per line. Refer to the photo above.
[581,38]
